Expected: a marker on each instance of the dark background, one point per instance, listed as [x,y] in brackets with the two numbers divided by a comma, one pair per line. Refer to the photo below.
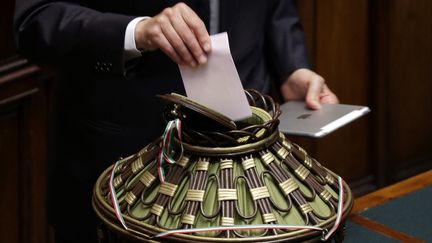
[371,52]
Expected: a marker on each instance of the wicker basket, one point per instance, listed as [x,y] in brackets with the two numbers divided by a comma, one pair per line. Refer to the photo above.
[209,179]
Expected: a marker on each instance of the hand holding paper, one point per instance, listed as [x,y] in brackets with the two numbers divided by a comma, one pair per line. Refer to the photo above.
[217,84]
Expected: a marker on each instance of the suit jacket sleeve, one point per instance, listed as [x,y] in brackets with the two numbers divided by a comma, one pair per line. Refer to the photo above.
[286,42]
[67,33]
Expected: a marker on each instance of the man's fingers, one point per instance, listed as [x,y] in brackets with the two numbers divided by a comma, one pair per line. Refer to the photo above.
[167,48]
[306,84]
[178,32]
[328,97]
[318,92]
[197,26]
[313,93]
[189,39]
[175,40]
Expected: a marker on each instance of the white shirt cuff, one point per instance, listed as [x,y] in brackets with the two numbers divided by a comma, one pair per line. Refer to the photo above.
[130,50]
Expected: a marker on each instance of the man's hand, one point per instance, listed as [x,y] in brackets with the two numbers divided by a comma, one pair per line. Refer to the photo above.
[306,84]
[177,31]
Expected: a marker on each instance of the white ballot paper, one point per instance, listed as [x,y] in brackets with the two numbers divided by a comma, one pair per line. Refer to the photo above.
[217,84]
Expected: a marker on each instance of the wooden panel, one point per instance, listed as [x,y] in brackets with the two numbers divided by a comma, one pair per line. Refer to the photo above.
[307,13]
[342,47]
[7,46]
[341,57]
[410,83]
[375,53]
[9,177]
[400,66]
[379,89]
[23,123]
[37,162]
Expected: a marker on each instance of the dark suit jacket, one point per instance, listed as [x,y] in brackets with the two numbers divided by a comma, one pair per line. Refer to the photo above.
[105,109]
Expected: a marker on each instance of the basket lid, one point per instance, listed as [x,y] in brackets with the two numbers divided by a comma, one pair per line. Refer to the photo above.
[198,116]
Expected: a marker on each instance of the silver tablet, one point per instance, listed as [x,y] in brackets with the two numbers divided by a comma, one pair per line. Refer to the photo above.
[297,119]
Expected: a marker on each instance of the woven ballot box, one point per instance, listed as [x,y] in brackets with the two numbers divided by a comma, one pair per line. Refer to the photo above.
[209,179]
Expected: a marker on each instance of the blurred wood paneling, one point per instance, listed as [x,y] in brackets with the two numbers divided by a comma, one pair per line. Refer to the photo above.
[374,53]
[23,139]
[307,12]
[23,128]
[404,78]
[7,47]
[340,48]
[9,177]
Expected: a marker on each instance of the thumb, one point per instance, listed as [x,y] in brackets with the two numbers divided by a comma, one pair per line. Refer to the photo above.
[314,90]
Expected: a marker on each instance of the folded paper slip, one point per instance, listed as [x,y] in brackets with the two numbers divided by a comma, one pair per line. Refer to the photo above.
[217,84]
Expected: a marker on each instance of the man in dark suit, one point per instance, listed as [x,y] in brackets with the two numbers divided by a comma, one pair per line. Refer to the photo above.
[111,64]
